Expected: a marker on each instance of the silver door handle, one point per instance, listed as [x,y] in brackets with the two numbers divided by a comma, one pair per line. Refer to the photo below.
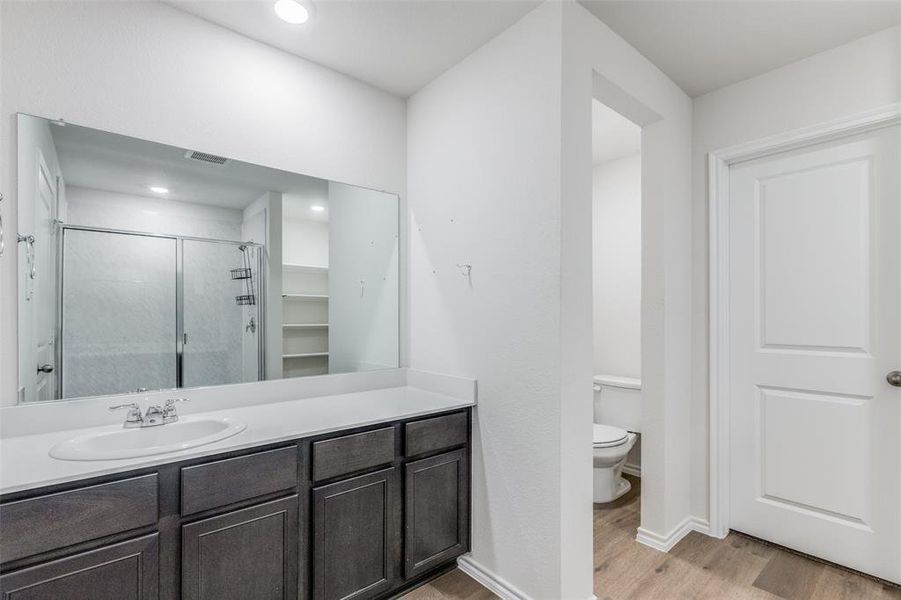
[29,253]
[894,378]
[45,368]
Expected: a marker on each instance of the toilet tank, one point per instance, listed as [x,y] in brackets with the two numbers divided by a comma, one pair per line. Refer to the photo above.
[617,402]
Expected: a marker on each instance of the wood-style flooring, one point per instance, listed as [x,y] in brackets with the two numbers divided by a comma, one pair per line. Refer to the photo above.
[702,567]
[699,567]
[455,585]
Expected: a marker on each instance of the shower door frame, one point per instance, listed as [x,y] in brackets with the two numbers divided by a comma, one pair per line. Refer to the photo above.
[179,297]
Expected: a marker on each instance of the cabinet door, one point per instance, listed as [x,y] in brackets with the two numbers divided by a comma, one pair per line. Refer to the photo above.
[356,524]
[125,571]
[436,511]
[247,553]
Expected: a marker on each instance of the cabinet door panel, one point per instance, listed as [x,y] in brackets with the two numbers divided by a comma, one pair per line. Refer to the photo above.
[125,571]
[436,523]
[355,537]
[248,553]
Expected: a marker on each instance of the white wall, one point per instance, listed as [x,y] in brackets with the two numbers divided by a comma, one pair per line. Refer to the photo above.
[852,78]
[254,228]
[491,184]
[269,206]
[616,200]
[484,189]
[304,242]
[100,208]
[363,245]
[148,70]
[598,62]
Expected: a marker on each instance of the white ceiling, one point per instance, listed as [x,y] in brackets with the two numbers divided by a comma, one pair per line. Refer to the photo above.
[116,163]
[401,45]
[612,135]
[704,45]
[398,46]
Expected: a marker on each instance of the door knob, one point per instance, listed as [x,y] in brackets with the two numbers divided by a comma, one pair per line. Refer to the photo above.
[49,369]
[894,378]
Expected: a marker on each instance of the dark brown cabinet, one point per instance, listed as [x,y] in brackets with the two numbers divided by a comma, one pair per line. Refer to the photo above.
[124,571]
[436,511]
[79,515]
[247,553]
[356,525]
[357,514]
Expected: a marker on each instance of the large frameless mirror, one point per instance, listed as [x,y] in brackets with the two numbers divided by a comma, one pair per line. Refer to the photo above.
[144,266]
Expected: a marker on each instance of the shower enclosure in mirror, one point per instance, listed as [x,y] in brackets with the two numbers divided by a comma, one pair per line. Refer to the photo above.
[144,266]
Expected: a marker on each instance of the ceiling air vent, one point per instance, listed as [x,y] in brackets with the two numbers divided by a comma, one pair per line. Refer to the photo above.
[204,157]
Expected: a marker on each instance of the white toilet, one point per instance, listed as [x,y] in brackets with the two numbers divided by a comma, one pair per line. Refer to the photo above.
[617,416]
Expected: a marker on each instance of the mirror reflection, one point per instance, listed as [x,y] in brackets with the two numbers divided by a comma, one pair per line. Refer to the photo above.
[144,266]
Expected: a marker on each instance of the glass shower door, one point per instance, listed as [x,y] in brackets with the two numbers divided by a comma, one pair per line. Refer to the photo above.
[118,313]
[221,337]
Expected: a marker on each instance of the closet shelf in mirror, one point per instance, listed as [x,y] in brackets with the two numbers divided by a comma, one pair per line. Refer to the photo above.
[304,268]
[305,355]
[305,325]
[305,296]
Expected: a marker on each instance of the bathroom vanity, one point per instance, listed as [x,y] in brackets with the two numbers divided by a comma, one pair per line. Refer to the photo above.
[360,512]
[307,466]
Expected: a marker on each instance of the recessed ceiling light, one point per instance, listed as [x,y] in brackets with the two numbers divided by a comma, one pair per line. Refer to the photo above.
[317,208]
[292,11]
[156,189]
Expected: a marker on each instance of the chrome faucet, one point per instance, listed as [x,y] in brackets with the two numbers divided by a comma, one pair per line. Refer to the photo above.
[169,414]
[155,415]
[133,418]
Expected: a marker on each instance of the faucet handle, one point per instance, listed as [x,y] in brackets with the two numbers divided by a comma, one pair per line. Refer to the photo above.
[133,418]
[169,414]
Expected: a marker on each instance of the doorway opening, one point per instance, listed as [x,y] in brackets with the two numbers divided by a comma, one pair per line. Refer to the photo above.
[616,307]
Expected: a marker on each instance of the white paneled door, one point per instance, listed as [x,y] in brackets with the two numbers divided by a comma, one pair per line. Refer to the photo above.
[814,308]
[42,275]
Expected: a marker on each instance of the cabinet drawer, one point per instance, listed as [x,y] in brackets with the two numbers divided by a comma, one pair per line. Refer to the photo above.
[350,453]
[57,520]
[225,482]
[438,433]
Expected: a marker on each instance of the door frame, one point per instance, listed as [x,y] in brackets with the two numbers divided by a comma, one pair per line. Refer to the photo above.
[719,163]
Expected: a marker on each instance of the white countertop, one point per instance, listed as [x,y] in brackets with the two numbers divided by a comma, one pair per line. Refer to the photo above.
[25,463]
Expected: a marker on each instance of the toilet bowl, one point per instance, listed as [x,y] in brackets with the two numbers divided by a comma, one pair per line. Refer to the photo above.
[611,448]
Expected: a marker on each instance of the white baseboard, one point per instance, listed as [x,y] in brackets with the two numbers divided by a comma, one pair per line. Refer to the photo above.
[665,543]
[503,589]
[496,584]
[633,470]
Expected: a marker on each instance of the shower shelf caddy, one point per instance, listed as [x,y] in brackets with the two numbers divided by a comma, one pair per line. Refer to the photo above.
[244,273]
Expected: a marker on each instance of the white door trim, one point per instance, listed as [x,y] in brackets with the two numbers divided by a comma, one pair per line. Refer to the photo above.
[718,199]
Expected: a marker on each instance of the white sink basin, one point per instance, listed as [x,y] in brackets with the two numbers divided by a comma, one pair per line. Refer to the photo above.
[109,444]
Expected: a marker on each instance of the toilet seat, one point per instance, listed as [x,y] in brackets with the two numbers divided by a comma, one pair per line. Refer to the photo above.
[607,436]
